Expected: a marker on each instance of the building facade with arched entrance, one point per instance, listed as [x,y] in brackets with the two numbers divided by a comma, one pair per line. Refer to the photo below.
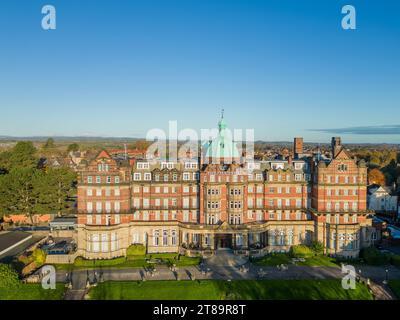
[222,200]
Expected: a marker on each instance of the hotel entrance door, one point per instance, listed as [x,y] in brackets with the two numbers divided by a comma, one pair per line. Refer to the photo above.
[223,241]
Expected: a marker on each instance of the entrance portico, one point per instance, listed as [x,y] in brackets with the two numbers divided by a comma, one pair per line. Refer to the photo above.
[223,241]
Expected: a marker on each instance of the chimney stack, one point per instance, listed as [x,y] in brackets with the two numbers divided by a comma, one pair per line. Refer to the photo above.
[336,145]
[297,147]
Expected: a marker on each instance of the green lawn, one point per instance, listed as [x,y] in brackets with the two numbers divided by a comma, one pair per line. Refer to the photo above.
[33,292]
[395,286]
[132,262]
[236,289]
[284,258]
[318,261]
[272,259]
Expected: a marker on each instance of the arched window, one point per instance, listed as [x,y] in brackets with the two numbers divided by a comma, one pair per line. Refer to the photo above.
[173,238]
[281,238]
[290,237]
[165,238]
[156,237]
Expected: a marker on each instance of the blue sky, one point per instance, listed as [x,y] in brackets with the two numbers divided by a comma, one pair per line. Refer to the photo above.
[119,68]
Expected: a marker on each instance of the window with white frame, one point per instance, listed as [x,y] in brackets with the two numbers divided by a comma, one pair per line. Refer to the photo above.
[117,206]
[143,165]
[156,239]
[104,242]
[98,206]
[173,238]
[135,237]
[108,206]
[114,242]
[147,176]
[89,207]
[165,238]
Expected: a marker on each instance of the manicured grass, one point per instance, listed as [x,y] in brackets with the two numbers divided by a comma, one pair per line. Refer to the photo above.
[273,259]
[395,286]
[283,258]
[236,289]
[318,261]
[32,291]
[132,262]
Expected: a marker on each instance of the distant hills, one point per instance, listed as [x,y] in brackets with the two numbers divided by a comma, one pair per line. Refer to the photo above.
[4,138]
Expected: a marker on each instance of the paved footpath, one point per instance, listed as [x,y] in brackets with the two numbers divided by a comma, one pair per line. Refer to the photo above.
[226,267]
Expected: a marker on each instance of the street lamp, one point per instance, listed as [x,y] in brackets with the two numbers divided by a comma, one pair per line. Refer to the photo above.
[386,276]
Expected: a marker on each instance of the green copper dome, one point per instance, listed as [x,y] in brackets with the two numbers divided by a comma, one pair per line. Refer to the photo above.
[223,145]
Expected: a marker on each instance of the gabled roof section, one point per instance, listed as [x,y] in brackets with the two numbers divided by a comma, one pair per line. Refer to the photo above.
[103,154]
[343,155]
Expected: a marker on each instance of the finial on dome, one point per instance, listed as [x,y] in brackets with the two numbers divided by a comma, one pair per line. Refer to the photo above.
[222,113]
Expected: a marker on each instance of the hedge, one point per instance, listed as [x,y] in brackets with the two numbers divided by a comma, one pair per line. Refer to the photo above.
[373,256]
[136,250]
[301,251]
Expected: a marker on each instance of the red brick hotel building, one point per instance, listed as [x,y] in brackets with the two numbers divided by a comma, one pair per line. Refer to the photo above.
[191,206]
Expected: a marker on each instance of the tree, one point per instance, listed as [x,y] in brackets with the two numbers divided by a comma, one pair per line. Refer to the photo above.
[8,277]
[73,147]
[49,144]
[19,193]
[375,176]
[23,155]
[57,187]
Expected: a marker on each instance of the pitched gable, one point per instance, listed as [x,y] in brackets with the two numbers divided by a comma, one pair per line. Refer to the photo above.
[103,154]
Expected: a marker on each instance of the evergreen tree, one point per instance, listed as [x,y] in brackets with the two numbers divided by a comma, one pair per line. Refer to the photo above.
[73,147]
[49,144]
[57,187]
[23,155]
[19,193]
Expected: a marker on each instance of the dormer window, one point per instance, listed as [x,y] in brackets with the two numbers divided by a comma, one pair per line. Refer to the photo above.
[143,165]
[102,167]
[298,166]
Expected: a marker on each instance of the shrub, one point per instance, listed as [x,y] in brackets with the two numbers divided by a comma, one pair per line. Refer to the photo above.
[136,250]
[25,259]
[39,257]
[395,260]
[301,251]
[8,277]
[317,247]
[81,262]
[373,256]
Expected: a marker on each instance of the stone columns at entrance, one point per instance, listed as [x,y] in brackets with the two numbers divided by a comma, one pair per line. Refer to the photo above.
[245,240]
